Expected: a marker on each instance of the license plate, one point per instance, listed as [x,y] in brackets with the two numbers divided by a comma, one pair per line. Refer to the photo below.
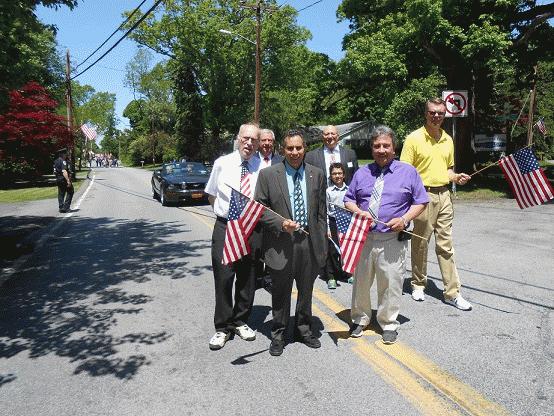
[197,195]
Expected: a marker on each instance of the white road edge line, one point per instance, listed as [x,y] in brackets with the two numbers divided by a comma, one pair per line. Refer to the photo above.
[8,272]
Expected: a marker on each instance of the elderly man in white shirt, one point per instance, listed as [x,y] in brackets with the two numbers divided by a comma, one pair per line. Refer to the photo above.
[241,165]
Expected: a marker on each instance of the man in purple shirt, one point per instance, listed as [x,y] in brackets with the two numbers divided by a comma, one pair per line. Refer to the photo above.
[392,194]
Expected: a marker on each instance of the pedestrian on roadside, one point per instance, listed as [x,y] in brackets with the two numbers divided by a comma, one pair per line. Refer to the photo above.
[335,196]
[296,191]
[431,151]
[238,168]
[63,180]
[391,192]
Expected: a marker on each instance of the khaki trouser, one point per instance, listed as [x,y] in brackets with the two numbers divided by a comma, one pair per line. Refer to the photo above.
[436,218]
[383,258]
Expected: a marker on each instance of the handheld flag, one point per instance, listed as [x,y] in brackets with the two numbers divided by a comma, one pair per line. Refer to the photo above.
[353,229]
[526,178]
[89,132]
[244,214]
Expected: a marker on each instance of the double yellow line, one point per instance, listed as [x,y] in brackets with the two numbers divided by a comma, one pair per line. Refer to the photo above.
[429,388]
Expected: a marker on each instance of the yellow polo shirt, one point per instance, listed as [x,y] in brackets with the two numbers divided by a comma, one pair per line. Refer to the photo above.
[431,158]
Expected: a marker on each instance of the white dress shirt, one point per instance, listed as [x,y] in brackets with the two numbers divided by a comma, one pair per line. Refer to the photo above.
[265,163]
[331,156]
[227,171]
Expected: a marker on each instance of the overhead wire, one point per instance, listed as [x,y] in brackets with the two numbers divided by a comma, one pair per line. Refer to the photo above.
[135,25]
[113,33]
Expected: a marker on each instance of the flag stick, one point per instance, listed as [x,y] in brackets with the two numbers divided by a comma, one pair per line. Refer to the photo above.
[266,207]
[379,221]
[495,163]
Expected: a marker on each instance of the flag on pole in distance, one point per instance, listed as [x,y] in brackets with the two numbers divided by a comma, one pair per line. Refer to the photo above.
[526,178]
[541,126]
[244,214]
[352,229]
[89,132]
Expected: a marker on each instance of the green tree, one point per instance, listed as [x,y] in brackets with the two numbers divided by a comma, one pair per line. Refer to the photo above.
[399,53]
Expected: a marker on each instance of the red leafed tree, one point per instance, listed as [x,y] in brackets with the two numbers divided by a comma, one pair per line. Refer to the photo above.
[30,132]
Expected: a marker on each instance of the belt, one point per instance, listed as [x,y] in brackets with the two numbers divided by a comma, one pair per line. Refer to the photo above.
[436,189]
[221,219]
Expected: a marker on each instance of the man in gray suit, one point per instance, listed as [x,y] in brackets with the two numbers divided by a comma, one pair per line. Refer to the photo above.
[268,156]
[295,245]
[332,152]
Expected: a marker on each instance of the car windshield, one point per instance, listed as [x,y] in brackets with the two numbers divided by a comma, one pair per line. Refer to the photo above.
[189,169]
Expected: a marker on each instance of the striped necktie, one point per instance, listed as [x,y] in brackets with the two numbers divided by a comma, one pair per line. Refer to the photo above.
[299,210]
[375,198]
[245,179]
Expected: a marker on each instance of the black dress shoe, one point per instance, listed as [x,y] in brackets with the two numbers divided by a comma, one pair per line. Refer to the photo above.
[276,347]
[310,341]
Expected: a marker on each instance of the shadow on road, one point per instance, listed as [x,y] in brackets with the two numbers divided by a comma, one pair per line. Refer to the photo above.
[70,296]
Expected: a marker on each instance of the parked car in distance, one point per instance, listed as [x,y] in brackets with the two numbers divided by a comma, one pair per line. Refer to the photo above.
[180,182]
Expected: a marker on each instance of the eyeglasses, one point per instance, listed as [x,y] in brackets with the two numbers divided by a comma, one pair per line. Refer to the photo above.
[246,139]
[436,113]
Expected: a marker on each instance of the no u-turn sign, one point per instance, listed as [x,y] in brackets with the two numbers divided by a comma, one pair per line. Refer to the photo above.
[456,103]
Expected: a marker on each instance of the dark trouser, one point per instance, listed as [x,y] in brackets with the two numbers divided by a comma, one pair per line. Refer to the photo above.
[301,268]
[333,267]
[65,194]
[242,273]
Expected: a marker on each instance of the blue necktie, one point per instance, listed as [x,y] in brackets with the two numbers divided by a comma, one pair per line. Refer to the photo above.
[299,209]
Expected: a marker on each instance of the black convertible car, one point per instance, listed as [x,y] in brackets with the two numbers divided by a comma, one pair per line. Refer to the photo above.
[176,182]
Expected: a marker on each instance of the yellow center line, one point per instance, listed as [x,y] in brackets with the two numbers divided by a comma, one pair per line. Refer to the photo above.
[462,394]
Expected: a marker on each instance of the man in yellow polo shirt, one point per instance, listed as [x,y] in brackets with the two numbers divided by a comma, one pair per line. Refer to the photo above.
[431,151]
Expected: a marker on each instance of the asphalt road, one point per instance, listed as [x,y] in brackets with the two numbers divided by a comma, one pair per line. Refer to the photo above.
[112,316]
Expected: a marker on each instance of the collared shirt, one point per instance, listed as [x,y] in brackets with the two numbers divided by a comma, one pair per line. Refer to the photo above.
[329,156]
[402,189]
[227,171]
[335,196]
[265,160]
[290,172]
[430,157]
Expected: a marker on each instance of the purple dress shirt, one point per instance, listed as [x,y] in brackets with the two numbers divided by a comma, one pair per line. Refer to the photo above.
[402,189]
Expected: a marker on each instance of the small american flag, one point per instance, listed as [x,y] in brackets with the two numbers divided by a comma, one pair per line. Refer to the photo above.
[541,126]
[244,214]
[353,229]
[526,178]
[89,132]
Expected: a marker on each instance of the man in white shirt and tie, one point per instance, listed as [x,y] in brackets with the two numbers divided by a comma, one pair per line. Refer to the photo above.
[239,170]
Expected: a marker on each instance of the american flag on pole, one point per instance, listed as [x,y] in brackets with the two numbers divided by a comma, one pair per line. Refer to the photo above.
[244,214]
[526,178]
[541,126]
[89,132]
[353,229]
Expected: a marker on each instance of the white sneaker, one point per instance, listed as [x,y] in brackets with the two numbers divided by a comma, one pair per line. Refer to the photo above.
[459,303]
[417,294]
[245,332]
[218,340]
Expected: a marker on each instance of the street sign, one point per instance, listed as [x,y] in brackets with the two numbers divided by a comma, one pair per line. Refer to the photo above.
[456,103]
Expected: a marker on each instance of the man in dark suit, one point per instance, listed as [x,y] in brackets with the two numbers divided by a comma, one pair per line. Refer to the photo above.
[295,191]
[332,152]
[268,156]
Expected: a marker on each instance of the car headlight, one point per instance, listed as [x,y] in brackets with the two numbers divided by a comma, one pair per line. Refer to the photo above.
[171,187]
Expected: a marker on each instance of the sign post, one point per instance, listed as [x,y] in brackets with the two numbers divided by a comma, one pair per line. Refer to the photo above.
[456,106]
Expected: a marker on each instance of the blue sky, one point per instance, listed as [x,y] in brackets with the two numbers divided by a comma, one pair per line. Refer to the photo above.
[92,21]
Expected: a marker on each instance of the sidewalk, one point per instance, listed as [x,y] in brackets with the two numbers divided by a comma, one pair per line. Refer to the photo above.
[22,224]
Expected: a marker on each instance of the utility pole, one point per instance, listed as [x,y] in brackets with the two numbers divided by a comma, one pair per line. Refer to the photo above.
[69,105]
[531,108]
[259,7]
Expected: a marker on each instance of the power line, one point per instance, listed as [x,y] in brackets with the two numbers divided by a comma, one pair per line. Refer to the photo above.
[113,33]
[144,16]
[309,5]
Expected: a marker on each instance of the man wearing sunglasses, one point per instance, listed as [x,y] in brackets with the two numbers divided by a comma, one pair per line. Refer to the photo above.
[431,151]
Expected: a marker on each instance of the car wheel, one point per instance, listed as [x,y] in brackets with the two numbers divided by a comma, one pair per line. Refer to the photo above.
[162,197]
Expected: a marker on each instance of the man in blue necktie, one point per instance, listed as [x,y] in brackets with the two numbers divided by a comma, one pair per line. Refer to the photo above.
[295,245]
